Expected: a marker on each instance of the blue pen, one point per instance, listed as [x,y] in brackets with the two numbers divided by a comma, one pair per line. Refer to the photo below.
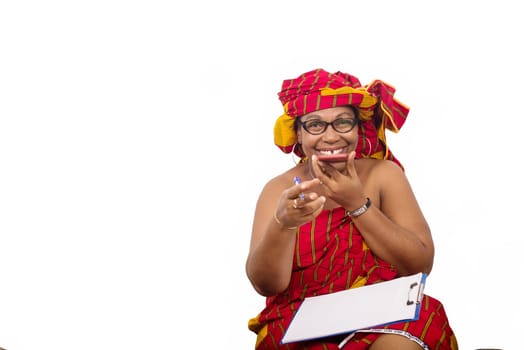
[297,181]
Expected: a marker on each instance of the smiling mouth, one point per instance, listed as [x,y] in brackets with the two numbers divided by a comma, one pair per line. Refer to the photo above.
[331,152]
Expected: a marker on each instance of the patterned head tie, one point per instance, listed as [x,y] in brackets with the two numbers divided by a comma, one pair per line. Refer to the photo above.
[377,109]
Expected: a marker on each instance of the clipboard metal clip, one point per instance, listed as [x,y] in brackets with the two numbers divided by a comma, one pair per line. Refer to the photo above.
[411,302]
[416,292]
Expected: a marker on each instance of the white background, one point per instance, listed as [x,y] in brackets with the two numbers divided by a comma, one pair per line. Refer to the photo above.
[135,137]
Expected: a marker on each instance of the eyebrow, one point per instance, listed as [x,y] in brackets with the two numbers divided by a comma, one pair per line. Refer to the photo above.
[313,116]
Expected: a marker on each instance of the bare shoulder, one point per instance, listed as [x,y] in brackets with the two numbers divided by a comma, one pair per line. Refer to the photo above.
[280,182]
[389,186]
[378,169]
[389,167]
[382,179]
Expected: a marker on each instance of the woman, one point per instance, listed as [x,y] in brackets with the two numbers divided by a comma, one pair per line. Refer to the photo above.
[353,220]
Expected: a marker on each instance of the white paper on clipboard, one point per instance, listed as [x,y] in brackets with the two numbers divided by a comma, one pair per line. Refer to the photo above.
[363,307]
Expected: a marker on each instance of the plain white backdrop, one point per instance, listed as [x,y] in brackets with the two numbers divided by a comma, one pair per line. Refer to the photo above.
[135,137]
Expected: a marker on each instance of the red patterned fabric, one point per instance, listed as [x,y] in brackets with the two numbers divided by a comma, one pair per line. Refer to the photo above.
[303,94]
[330,256]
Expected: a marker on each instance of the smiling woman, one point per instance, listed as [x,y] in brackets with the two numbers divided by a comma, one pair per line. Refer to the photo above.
[354,221]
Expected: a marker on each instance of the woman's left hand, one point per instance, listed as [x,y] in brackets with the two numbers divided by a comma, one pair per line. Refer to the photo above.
[345,189]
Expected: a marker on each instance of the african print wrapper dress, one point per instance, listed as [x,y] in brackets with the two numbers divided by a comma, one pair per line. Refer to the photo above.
[331,256]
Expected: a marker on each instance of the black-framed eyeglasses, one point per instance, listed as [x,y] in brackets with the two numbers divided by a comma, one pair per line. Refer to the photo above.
[317,127]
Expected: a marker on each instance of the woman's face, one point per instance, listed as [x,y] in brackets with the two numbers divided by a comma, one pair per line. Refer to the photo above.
[318,138]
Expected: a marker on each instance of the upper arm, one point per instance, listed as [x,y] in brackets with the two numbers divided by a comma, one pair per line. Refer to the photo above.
[265,207]
[399,204]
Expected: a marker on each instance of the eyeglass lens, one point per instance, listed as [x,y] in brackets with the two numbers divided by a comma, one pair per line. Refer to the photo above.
[341,125]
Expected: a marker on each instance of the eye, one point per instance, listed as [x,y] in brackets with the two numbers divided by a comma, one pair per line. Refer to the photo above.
[316,124]
[344,124]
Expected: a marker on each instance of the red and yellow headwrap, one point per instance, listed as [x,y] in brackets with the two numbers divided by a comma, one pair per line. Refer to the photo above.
[377,109]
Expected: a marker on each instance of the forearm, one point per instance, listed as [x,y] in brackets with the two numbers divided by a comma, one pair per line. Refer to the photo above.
[270,262]
[400,247]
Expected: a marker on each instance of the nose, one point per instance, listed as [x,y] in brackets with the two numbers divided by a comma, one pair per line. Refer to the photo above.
[330,134]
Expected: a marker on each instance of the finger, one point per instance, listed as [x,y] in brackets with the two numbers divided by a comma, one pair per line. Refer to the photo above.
[305,195]
[309,185]
[350,164]
[319,202]
[328,172]
[309,199]
[296,191]
[318,170]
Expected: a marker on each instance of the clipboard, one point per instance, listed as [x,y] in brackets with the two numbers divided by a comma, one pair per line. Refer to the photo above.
[350,310]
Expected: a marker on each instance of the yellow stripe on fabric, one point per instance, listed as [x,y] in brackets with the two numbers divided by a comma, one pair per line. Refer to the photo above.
[317,105]
[292,104]
[334,255]
[454,343]
[277,311]
[367,341]
[321,266]
[304,291]
[273,340]
[297,248]
[359,282]
[281,327]
[301,283]
[329,221]
[312,239]
[378,155]
[363,262]
[329,80]
[317,76]
[298,244]
[389,114]
[328,231]
[388,89]
[352,229]
[426,326]
[439,308]
[441,340]
[302,81]
[315,272]
[367,99]
[334,102]
[348,280]
[346,255]
[331,261]
[400,112]
[304,102]
[261,335]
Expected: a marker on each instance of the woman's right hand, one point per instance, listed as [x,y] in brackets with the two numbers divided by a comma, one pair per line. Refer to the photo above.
[299,204]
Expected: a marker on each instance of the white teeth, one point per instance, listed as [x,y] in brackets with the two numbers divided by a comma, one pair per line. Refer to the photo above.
[335,151]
